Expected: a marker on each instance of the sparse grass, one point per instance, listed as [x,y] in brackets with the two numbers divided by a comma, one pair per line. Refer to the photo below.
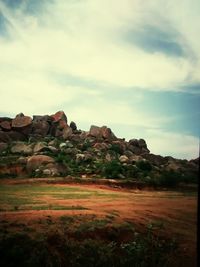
[24,197]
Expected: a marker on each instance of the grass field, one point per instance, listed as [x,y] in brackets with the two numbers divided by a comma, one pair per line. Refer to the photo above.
[133,227]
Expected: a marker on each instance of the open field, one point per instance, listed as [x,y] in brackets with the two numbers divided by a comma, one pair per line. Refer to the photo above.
[100,212]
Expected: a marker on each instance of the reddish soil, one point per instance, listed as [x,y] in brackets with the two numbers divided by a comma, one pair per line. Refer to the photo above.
[174,212]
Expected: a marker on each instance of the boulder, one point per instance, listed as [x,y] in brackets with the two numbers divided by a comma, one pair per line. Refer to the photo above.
[100,146]
[107,133]
[40,146]
[5,124]
[22,148]
[101,132]
[16,136]
[73,126]
[60,115]
[124,159]
[67,132]
[142,143]
[21,121]
[95,131]
[53,149]
[80,158]
[37,161]
[41,125]
[134,142]
[135,158]
[135,149]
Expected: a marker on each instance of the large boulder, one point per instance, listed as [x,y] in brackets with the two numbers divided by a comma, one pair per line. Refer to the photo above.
[37,161]
[40,146]
[95,131]
[21,121]
[22,148]
[59,127]
[73,126]
[138,146]
[67,132]
[101,132]
[41,125]
[107,133]
[60,115]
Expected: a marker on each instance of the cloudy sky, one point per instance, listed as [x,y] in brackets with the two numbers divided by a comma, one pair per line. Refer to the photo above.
[132,65]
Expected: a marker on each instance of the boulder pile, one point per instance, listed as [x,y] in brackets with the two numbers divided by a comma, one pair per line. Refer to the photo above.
[45,146]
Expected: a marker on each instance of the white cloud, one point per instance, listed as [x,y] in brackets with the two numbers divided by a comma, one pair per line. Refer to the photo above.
[174,144]
[85,39]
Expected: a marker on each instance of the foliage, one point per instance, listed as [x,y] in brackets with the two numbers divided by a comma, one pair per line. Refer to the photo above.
[144,165]
[54,249]
[112,169]
[170,178]
[116,148]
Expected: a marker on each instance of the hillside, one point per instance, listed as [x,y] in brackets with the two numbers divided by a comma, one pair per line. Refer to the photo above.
[50,146]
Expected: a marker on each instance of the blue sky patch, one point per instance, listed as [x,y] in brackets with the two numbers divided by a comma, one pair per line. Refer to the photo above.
[3,25]
[152,39]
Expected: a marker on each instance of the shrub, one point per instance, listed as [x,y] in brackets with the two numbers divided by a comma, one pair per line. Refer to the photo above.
[170,178]
[112,169]
[144,165]
[116,148]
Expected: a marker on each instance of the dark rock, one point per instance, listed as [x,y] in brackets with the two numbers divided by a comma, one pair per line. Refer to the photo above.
[16,136]
[41,125]
[73,126]
[5,124]
[155,159]
[4,137]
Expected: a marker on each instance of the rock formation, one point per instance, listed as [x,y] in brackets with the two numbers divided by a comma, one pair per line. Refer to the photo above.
[47,146]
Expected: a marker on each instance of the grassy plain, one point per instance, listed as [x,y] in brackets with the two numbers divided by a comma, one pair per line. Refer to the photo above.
[88,225]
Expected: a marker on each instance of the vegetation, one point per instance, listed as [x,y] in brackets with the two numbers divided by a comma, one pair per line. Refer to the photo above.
[54,249]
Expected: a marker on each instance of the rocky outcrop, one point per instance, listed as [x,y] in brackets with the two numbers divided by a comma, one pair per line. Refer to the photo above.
[48,146]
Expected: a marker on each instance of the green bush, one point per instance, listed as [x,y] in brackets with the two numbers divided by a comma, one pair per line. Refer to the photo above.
[116,148]
[170,178]
[144,165]
[55,250]
[112,169]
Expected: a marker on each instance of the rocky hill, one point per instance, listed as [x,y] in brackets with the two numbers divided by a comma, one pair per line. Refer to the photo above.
[50,146]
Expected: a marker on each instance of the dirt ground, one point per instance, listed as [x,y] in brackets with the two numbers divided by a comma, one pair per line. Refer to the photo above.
[174,212]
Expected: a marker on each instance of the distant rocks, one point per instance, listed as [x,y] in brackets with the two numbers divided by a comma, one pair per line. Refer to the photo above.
[46,145]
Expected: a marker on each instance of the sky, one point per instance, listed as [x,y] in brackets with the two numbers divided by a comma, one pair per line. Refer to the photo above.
[132,65]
